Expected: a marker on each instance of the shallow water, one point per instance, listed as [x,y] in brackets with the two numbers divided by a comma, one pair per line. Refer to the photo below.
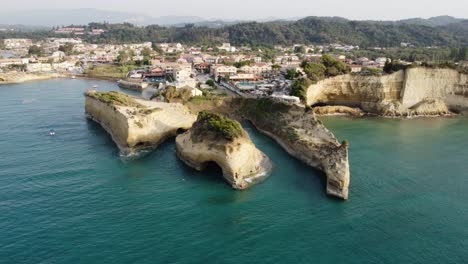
[72,199]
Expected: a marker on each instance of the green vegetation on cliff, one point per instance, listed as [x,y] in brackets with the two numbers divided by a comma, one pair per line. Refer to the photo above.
[115,99]
[226,127]
[299,87]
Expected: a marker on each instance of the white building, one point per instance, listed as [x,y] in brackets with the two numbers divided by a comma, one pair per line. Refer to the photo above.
[259,68]
[183,77]
[227,47]
[223,70]
[17,43]
[9,62]
[286,98]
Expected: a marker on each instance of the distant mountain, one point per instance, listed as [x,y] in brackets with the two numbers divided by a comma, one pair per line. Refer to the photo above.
[22,28]
[433,21]
[52,18]
[85,16]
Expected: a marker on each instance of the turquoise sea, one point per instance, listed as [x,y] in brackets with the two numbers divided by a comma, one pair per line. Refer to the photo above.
[72,199]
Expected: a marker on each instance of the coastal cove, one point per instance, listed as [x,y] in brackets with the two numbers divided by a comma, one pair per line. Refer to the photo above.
[72,198]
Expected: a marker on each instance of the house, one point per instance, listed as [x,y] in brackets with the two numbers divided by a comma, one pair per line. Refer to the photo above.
[381,61]
[8,62]
[244,77]
[356,68]
[286,98]
[203,67]
[223,70]
[258,68]
[227,47]
[71,30]
[39,67]
[182,75]
[17,43]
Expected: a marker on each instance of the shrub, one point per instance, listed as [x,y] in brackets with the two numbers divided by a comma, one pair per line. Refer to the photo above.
[226,127]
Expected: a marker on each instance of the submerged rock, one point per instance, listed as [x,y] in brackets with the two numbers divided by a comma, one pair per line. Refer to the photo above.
[302,136]
[338,110]
[214,138]
[136,124]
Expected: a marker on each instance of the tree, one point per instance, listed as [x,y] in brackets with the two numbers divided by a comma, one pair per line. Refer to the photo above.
[292,74]
[315,71]
[210,83]
[125,57]
[333,66]
[35,50]
[299,88]
[462,54]
[146,52]
[67,49]
[299,49]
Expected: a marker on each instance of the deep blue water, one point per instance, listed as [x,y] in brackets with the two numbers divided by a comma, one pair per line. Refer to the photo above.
[72,199]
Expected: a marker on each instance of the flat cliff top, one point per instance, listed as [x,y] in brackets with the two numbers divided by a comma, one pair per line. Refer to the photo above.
[115,99]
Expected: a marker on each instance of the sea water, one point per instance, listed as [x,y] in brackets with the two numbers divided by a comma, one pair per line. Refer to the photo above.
[70,198]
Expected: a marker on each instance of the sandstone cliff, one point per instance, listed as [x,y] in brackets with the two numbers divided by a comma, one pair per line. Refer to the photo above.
[396,94]
[223,141]
[302,136]
[135,124]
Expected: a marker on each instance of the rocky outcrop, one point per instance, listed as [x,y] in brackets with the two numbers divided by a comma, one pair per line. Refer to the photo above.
[338,110]
[396,94]
[241,162]
[304,137]
[136,85]
[136,124]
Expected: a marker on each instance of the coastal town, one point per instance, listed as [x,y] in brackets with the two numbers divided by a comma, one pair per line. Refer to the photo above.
[239,71]
[233,132]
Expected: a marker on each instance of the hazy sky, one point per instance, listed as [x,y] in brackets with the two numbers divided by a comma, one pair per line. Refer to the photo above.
[257,9]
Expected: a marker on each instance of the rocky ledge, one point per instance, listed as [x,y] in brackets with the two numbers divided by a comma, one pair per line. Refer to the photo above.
[20,77]
[136,124]
[303,136]
[217,139]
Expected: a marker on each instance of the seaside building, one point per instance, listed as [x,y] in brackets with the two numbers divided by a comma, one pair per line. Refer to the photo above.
[17,43]
[223,70]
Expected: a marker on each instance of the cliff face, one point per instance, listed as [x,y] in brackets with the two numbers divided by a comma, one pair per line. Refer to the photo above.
[396,94]
[142,127]
[241,162]
[304,137]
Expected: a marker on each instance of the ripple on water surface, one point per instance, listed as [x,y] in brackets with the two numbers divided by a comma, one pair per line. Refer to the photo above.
[72,199]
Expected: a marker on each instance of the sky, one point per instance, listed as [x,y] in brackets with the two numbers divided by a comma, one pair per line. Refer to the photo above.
[261,9]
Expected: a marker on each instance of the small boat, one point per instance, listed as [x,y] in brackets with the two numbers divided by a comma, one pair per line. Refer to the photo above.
[95,86]
[52,133]
[73,77]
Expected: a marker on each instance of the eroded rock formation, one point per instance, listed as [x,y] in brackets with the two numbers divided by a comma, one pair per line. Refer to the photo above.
[302,136]
[217,139]
[135,124]
[396,94]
